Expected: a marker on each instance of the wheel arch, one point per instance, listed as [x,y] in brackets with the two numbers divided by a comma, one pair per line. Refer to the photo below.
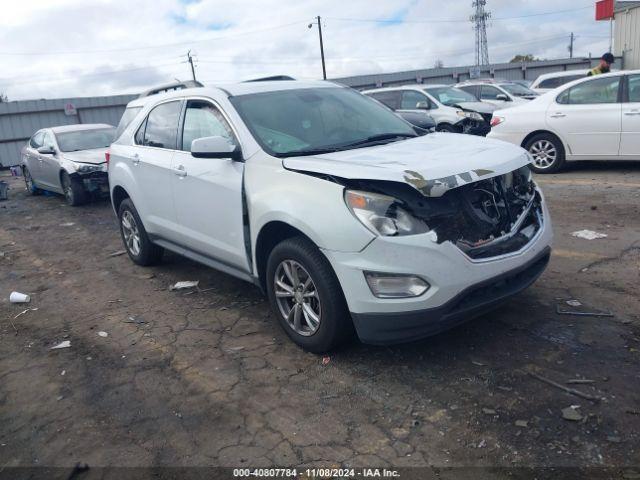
[547,132]
[118,195]
[270,235]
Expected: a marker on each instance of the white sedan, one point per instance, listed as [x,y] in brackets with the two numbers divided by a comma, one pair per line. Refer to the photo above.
[593,118]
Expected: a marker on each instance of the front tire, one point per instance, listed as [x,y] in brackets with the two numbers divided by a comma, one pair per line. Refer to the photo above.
[305,295]
[547,152]
[74,191]
[136,241]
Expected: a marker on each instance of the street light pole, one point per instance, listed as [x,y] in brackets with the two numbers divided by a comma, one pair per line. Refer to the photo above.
[319,23]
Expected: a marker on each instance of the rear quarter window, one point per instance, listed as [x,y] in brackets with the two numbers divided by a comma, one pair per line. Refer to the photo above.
[126,119]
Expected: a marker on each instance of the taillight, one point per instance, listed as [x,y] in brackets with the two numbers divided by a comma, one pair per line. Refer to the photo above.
[496,120]
[107,156]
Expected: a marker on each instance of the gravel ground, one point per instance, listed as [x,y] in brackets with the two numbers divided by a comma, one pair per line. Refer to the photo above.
[208,378]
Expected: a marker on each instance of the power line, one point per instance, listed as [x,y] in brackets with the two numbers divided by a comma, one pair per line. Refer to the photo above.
[150,47]
[376,20]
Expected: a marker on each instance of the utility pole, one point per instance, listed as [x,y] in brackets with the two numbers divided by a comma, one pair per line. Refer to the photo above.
[479,20]
[571,45]
[190,60]
[319,23]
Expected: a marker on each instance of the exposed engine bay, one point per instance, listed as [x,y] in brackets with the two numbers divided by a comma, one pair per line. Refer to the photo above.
[484,219]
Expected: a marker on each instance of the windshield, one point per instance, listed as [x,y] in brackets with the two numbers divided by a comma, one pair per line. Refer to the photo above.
[314,120]
[450,96]
[518,90]
[85,139]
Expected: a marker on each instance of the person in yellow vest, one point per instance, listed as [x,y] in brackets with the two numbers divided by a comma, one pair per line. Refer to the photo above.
[604,67]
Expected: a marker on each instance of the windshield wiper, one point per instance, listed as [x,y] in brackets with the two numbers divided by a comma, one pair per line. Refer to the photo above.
[379,138]
[373,139]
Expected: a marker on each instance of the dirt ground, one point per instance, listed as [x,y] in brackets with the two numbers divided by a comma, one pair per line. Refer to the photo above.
[209,379]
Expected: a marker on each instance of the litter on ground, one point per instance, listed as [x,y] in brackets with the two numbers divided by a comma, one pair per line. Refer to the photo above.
[65,344]
[184,284]
[17,297]
[589,234]
[103,334]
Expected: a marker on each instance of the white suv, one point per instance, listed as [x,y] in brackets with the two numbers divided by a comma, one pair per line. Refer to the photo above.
[332,205]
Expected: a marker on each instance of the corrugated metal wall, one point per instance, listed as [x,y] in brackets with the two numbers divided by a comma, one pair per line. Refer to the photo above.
[627,36]
[506,71]
[20,119]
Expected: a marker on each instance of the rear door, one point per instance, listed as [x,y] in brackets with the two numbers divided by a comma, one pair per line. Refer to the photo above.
[207,192]
[588,117]
[630,135]
[156,142]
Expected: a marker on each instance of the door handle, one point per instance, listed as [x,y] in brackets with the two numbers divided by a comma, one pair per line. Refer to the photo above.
[558,115]
[632,112]
[136,159]
[180,171]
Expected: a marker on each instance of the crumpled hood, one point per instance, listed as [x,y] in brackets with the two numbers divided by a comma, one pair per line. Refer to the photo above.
[480,107]
[95,156]
[432,164]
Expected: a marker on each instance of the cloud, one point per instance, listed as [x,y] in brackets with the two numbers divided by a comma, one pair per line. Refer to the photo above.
[127,46]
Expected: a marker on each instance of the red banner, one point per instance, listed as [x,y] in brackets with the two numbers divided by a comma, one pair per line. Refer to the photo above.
[604,9]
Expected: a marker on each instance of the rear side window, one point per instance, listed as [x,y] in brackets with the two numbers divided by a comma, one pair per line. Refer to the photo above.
[126,119]
[601,90]
[36,140]
[472,89]
[202,119]
[390,99]
[161,128]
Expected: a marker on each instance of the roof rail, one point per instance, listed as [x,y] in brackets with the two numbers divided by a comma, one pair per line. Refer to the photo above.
[171,86]
[272,78]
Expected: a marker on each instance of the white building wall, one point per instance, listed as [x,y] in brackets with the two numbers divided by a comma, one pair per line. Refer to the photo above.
[626,40]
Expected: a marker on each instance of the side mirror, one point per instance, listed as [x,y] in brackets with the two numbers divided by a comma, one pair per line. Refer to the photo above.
[503,97]
[47,151]
[215,147]
[422,106]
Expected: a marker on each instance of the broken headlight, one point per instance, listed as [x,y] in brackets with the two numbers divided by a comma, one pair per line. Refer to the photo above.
[84,168]
[472,115]
[382,214]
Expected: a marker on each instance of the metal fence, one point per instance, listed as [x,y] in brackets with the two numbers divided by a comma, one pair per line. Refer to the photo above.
[452,75]
[20,119]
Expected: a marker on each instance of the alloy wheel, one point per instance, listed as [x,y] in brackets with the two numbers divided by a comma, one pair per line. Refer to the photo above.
[130,233]
[544,154]
[297,298]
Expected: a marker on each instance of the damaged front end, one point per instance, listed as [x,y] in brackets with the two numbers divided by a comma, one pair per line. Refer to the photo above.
[484,218]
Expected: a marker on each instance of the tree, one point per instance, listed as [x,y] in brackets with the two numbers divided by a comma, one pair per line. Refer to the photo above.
[3,98]
[524,58]
[438,64]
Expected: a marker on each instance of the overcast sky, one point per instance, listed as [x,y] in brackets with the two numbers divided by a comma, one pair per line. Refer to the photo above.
[57,48]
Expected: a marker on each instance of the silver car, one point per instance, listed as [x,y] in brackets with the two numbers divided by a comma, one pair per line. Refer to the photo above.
[69,160]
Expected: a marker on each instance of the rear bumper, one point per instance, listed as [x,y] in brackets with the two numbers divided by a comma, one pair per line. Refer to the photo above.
[397,327]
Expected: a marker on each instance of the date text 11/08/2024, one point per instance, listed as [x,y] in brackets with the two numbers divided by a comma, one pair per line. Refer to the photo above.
[315,473]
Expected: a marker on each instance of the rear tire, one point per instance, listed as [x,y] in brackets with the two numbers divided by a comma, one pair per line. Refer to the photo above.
[74,191]
[547,151]
[30,184]
[134,237]
[305,295]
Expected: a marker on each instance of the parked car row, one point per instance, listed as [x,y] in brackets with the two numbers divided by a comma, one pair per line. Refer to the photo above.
[350,218]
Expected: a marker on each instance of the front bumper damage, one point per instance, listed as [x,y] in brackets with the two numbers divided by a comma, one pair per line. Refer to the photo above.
[489,240]
[95,183]
[475,127]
